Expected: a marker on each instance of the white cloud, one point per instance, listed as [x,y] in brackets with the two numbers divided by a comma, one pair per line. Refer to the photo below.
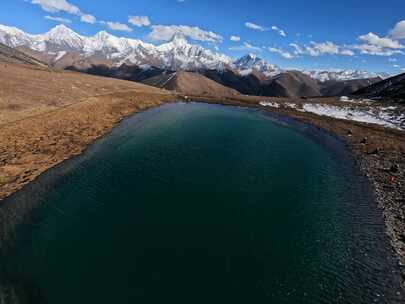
[298,49]
[235,38]
[54,6]
[284,54]
[369,49]
[392,59]
[321,48]
[116,26]
[379,46]
[255,27]
[166,32]
[58,19]
[374,39]
[88,19]
[347,52]
[246,47]
[139,21]
[398,32]
[279,31]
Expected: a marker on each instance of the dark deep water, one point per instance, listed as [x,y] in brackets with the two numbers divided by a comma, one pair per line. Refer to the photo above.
[196,203]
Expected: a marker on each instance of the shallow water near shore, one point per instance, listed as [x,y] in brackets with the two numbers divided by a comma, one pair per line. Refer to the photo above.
[198,203]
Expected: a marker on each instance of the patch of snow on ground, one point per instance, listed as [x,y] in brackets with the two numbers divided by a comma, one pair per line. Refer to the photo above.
[344,99]
[379,117]
[269,104]
[359,101]
[290,105]
[388,108]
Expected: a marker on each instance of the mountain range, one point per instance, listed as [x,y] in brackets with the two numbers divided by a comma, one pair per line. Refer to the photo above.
[131,59]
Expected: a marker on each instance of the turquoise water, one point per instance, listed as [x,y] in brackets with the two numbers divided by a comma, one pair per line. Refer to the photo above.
[196,203]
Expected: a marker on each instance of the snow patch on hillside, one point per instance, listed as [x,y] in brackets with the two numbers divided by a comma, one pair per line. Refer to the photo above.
[378,115]
[383,116]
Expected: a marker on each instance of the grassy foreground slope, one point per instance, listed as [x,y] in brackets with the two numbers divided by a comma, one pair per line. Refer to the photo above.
[47,117]
[10,55]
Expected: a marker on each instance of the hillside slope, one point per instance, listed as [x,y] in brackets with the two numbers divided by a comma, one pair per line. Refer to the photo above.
[124,72]
[347,87]
[190,83]
[391,88]
[10,55]
[291,84]
[26,91]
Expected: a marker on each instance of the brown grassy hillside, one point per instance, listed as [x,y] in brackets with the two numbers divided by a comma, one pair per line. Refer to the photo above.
[190,83]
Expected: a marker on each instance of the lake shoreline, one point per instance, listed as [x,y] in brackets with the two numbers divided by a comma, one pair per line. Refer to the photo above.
[352,134]
[332,144]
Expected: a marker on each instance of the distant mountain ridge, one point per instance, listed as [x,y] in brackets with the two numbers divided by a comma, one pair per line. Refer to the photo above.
[131,59]
[392,88]
[63,47]
[176,54]
[251,63]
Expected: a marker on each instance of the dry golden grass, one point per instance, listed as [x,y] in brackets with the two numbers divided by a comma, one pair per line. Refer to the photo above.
[47,117]
[28,90]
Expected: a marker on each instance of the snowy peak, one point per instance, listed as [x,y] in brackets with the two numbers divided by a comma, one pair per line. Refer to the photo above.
[343,75]
[250,63]
[104,41]
[14,37]
[249,59]
[103,36]
[11,30]
[179,40]
[63,36]
[61,32]
[179,54]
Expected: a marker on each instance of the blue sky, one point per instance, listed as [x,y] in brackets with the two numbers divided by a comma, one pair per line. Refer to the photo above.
[311,34]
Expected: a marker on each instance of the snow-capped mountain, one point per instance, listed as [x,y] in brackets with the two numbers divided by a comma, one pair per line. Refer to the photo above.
[343,75]
[178,54]
[250,63]
[175,55]
[13,37]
